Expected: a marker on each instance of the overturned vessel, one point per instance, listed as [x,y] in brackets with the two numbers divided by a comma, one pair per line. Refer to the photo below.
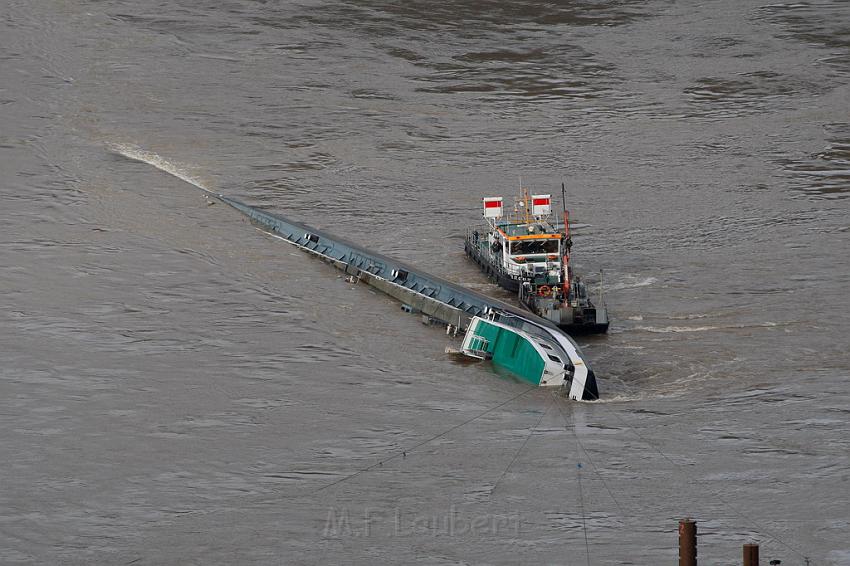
[549,358]
[525,252]
[532,357]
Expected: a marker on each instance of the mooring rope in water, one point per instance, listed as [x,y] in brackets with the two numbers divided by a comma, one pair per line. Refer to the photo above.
[592,463]
[521,448]
[679,470]
[581,509]
[578,479]
[422,443]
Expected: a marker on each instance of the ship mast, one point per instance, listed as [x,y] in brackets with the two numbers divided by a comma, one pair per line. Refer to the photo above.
[525,200]
[565,263]
[524,215]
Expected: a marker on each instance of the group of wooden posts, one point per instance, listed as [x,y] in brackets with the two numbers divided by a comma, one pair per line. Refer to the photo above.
[688,547]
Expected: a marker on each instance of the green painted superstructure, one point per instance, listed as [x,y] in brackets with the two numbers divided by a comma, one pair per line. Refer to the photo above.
[532,358]
[512,351]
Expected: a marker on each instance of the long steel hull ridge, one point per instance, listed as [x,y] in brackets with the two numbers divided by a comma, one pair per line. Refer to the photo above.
[441,300]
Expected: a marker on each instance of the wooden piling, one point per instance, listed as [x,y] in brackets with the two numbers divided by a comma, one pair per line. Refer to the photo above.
[687,543]
[751,555]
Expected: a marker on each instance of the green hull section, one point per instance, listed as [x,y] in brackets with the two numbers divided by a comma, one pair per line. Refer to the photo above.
[509,349]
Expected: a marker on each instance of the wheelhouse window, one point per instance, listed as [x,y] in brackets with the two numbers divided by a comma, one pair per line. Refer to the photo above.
[531,247]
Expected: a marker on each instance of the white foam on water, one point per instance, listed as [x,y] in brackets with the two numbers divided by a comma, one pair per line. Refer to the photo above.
[824,173]
[623,397]
[174,169]
[669,329]
[674,329]
[691,316]
[631,283]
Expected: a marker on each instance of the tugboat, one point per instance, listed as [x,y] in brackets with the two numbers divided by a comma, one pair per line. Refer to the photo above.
[527,254]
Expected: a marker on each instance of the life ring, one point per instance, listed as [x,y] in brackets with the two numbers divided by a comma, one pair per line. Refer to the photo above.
[544,290]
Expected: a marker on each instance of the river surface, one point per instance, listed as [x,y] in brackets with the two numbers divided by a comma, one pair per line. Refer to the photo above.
[177,387]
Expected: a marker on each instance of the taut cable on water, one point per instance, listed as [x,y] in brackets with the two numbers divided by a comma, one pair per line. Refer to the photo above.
[422,443]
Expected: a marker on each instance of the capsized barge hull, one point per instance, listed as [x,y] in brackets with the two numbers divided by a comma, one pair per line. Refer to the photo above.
[531,358]
[438,298]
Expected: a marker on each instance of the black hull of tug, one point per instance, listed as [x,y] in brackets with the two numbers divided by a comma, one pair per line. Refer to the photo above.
[501,278]
[584,320]
[584,329]
[505,282]
[578,328]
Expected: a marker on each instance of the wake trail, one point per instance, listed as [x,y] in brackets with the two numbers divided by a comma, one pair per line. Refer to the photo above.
[165,165]
[675,329]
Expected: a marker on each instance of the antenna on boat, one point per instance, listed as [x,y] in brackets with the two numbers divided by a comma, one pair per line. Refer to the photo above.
[565,261]
[566,215]
[601,286]
[522,202]
[564,195]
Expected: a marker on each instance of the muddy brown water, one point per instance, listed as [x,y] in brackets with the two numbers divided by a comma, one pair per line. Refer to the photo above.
[177,387]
